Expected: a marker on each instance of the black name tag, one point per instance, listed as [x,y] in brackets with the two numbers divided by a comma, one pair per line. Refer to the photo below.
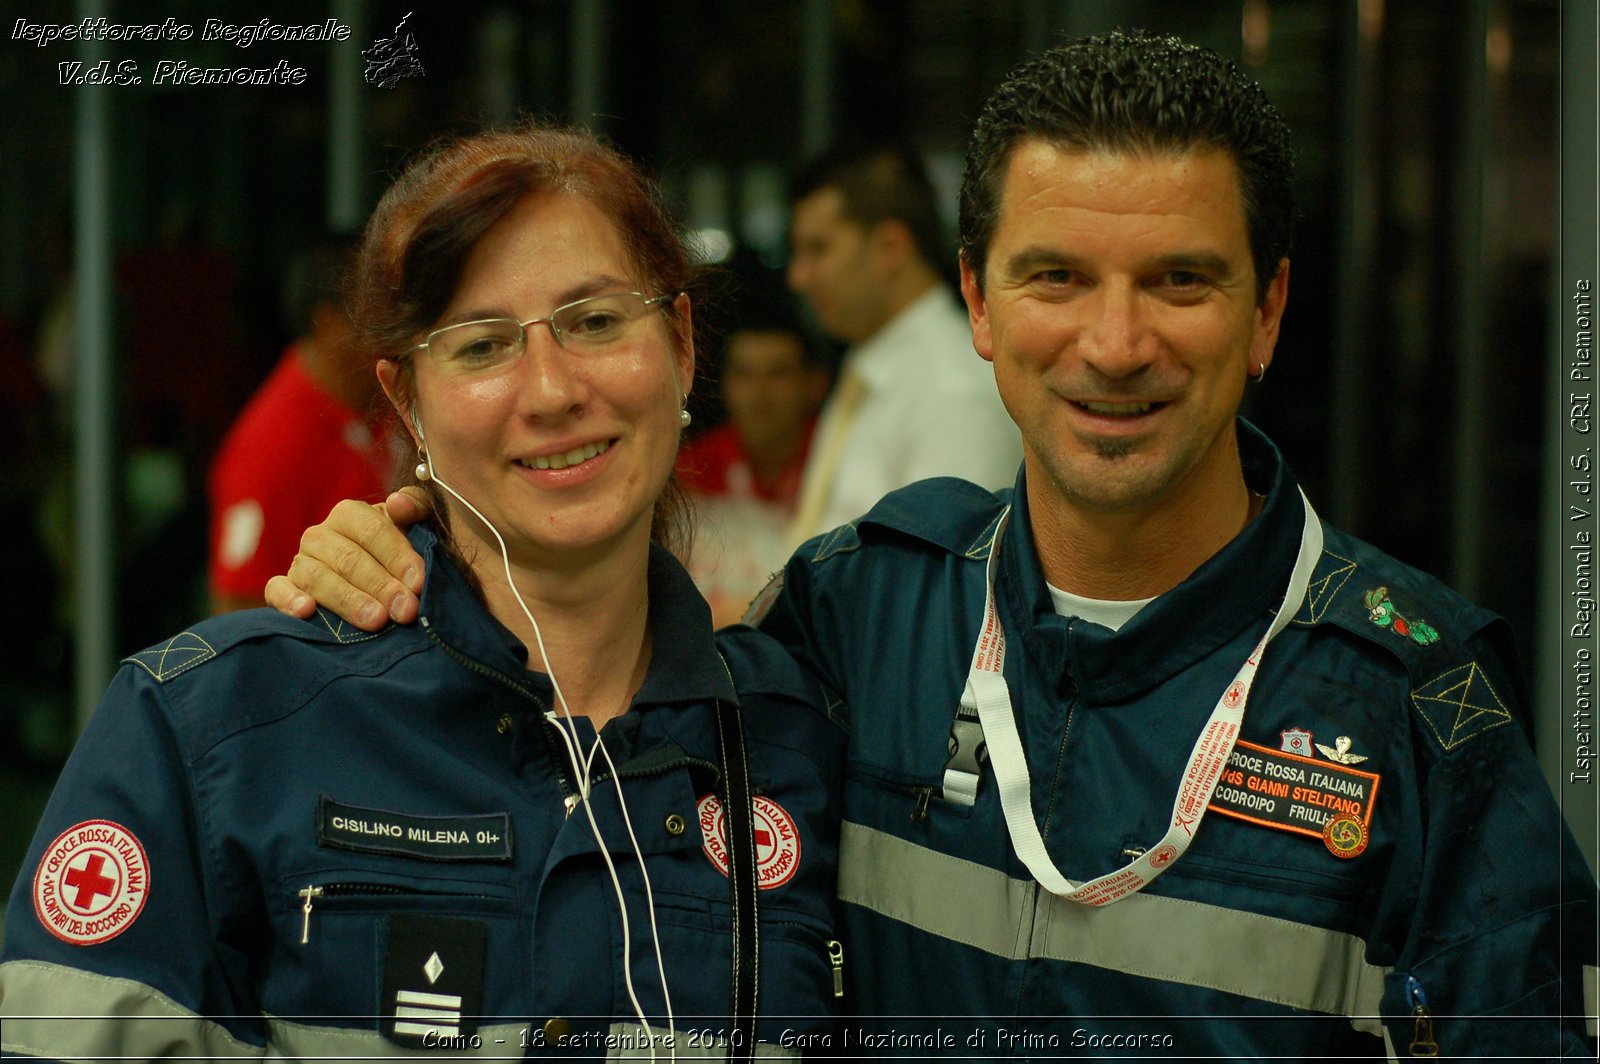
[470,837]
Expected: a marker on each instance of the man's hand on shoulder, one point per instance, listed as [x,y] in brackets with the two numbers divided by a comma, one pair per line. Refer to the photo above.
[358,563]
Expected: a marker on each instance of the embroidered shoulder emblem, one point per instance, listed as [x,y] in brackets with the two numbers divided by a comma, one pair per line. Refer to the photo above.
[1460,704]
[1327,579]
[1381,612]
[179,654]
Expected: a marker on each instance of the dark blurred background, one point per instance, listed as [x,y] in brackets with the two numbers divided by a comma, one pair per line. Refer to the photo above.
[1412,392]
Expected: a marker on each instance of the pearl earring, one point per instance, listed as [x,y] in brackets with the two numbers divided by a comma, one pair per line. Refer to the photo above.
[684,417]
[423,471]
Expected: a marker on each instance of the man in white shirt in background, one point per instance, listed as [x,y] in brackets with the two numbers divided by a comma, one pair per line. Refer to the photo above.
[913,400]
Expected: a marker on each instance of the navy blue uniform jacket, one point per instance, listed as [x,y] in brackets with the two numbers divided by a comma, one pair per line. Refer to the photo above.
[1461,891]
[405,787]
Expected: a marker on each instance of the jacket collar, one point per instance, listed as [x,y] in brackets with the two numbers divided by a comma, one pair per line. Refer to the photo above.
[684,663]
[1236,589]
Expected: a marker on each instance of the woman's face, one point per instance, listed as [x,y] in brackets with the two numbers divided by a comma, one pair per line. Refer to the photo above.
[607,417]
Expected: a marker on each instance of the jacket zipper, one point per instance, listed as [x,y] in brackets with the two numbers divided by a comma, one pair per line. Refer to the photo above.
[832,947]
[1422,1042]
[310,892]
[569,794]
[657,770]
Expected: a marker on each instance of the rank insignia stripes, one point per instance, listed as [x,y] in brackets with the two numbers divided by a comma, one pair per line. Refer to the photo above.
[1459,704]
[449,954]
[177,655]
[1327,580]
[421,1015]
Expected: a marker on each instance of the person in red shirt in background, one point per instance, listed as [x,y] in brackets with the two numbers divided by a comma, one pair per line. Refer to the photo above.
[744,475]
[307,438]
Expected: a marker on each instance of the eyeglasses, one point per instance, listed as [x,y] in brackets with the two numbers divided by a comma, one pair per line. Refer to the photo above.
[591,324]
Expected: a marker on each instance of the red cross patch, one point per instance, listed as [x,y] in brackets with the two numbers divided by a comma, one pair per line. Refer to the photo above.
[777,839]
[92,883]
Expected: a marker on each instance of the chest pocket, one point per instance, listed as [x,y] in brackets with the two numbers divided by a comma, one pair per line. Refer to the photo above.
[877,796]
[794,874]
[334,926]
[1276,873]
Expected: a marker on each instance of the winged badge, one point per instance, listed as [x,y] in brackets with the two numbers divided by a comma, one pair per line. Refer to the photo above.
[1340,752]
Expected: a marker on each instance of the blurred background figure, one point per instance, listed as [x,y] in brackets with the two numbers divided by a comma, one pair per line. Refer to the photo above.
[913,399]
[308,438]
[744,475]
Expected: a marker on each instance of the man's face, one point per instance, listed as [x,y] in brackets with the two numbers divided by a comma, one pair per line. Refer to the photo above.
[1120,313]
[770,389]
[834,264]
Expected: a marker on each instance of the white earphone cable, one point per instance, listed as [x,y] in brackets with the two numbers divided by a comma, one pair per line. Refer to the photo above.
[581,767]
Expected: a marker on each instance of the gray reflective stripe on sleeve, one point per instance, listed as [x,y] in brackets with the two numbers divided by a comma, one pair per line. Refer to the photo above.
[1591,996]
[302,1041]
[51,1010]
[623,1041]
[1187,942]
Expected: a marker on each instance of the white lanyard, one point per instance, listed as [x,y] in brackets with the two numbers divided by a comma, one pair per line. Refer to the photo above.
[987,693]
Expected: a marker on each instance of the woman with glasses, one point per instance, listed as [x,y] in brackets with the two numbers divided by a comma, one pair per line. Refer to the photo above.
[556,814]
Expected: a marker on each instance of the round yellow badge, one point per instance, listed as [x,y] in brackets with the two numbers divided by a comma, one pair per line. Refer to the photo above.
[1345,836]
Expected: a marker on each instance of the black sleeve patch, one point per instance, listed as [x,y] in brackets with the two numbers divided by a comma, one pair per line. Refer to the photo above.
[468,837]
[433,981]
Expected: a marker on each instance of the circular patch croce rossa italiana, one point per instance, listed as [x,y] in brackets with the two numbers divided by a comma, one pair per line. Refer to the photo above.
[777,839]
[92,883]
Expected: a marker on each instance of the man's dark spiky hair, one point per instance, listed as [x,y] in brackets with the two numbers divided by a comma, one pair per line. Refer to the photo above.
[1131,92]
